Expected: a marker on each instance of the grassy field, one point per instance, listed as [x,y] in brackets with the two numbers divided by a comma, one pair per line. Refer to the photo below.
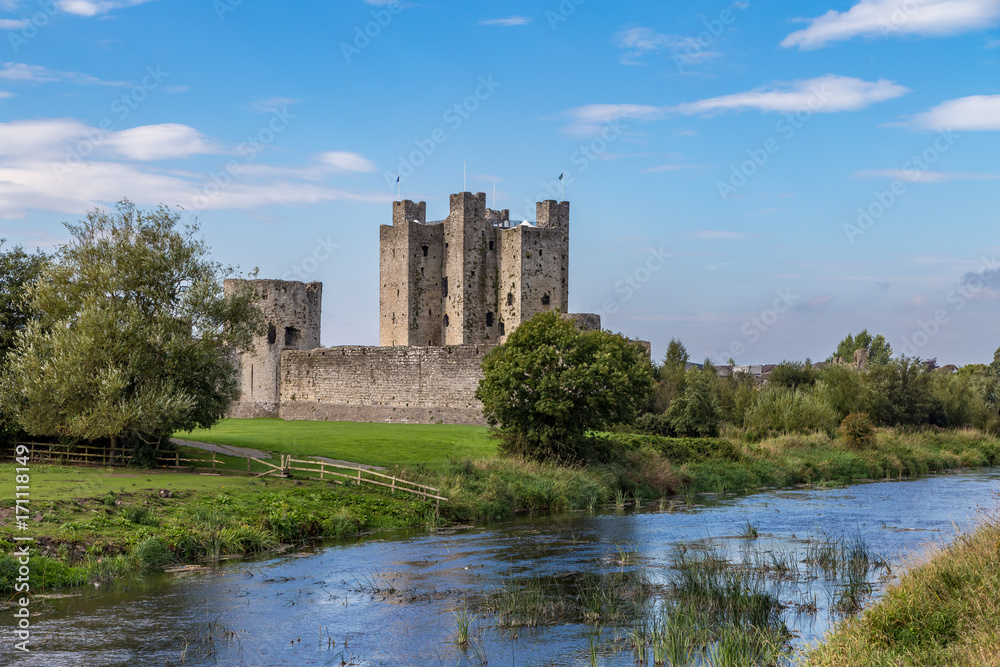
[97,524]
[368,443]
[942,612]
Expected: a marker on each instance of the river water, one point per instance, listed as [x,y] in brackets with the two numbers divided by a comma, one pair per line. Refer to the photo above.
[390,600]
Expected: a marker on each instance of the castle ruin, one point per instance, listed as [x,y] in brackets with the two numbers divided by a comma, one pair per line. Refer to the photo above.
[449,292]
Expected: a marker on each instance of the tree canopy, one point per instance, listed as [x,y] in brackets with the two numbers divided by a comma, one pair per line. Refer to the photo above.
[550,383]
[133,337]
[879,350]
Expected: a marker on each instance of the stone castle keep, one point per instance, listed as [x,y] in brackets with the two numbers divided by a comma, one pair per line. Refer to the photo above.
[449,292]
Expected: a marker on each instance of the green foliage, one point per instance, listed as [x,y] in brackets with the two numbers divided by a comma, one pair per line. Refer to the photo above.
[792,375]
[780,410]
[899,393]
[134,336]
[879,350]
[550,383]
[672,376]
[653,425]
[858,430]
[695,412]
[842,388]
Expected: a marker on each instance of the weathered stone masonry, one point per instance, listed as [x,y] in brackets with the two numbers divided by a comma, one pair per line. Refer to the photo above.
[449,292]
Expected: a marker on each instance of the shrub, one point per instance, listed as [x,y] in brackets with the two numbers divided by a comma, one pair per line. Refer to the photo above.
[653,425]
[841,388]
[695,413]
[899,394]
[780,410]
[792,375]
[858,430]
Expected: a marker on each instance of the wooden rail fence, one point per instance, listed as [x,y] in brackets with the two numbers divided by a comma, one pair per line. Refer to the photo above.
[337,473]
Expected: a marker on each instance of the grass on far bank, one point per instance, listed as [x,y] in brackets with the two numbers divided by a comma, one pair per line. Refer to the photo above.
[92,524]
[942,612]
[369,443]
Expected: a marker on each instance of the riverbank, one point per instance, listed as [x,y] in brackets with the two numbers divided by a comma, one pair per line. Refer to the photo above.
[944,611]
[99,524]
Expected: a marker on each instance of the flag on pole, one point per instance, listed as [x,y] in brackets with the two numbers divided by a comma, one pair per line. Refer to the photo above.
[399,189]
[562,186]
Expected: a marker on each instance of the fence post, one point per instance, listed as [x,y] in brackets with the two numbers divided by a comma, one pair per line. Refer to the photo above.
[213,461]
[177,459]
[322,469]
[248,466]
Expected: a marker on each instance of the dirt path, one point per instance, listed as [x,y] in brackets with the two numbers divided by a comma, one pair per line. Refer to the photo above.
[229,450]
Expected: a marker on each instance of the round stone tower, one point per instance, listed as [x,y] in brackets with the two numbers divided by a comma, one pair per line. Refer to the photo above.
[292,310]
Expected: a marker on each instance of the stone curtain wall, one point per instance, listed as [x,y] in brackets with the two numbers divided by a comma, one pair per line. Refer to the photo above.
[383,384]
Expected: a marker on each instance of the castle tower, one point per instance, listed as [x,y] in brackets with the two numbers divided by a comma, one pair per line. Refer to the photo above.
[292,310]
[471,278]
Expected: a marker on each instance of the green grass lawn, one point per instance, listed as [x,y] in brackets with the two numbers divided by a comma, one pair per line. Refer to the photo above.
[368,443]
[54,482]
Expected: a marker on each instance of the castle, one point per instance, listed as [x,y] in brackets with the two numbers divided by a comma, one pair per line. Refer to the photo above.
[449,291]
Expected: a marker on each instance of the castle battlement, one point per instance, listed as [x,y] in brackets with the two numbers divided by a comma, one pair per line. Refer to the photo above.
[473,277]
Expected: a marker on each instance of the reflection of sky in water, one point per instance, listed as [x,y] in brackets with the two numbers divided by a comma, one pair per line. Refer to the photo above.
[284,610]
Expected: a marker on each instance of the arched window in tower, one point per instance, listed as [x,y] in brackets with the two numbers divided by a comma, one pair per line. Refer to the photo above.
[510,299]
[489,319]
[272,334]
[491,245]
[446,320]
[501,329]
[424,249]
[546,300]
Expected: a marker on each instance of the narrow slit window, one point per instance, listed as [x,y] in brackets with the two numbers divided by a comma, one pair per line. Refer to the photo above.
[545,300]
[489,319]
[425,249]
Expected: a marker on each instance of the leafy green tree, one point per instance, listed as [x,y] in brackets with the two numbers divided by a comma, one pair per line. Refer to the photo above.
[695,413]
[792,374]
[899,393]
[842,388]
[133,339]
[550,383]
[18,269]
[879,350]
[672,376]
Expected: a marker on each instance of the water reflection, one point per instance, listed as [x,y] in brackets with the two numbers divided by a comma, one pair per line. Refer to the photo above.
[390,601]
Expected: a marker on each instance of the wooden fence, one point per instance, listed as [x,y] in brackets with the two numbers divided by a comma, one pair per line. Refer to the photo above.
[334,472]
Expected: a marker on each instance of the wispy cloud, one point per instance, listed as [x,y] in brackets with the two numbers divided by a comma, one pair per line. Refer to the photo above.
[22,72]
[35,172]
[272,104]
[875,18]
[13,24]
[925,176]
[718,235]
[508,22]
[659,169]
[978,112]
[639,41]
[826,94]
[4,94]
[95,7]
[344,161]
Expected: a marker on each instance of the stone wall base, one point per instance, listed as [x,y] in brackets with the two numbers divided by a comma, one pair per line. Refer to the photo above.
[317,411]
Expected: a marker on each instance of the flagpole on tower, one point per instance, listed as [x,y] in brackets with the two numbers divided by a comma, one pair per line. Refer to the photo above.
[399,190]
[562,184]
[465,177]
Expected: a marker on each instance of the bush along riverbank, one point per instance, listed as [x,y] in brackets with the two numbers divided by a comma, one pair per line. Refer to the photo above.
[90,525]
[633,467]
[942,612]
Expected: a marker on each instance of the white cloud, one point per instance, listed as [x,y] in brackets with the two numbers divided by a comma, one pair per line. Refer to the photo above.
[639,41]
[4,94]
[508,22]
[22,72]
[67,166]
[95,7]
[159,142]
[925,176]
[344,161]
[718,235]
[272,104]
[978,112]
[874,18]
[826,94]
[12,24]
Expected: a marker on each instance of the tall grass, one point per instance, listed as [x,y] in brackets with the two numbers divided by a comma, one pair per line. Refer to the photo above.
[942,612]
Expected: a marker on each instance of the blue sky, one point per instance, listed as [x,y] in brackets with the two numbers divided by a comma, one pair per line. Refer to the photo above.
[756,179]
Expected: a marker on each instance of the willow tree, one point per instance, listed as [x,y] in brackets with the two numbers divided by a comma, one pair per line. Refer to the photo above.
[134,338]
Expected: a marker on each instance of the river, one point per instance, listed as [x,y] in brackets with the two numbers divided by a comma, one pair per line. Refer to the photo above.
[390,599]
